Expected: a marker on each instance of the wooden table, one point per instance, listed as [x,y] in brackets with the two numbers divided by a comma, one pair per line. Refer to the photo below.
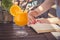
[7,33]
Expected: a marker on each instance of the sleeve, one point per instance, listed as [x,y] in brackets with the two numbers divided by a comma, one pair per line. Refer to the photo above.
[58,8]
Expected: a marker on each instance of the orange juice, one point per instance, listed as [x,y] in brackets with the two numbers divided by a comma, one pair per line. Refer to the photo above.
[21,19]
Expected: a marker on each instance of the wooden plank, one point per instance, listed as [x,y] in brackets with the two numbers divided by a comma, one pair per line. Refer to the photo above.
[56,35]
[8,32]
[50,36]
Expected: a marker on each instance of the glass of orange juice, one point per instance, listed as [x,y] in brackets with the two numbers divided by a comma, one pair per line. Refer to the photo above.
[20,21]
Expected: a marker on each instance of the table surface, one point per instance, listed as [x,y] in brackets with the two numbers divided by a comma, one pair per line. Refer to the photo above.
[7,33]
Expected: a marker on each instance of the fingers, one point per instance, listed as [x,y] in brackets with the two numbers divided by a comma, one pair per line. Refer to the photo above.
[31,20]
[43,21]
[31,16]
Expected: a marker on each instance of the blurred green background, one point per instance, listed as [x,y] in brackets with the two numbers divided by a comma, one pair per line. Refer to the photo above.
[6,4]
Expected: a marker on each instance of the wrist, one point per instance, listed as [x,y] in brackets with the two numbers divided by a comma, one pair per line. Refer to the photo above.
[37,11]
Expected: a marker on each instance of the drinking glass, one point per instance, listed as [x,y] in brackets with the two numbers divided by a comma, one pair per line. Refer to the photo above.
[20,21]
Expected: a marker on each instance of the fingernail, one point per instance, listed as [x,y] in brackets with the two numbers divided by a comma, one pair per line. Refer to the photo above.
[38,21]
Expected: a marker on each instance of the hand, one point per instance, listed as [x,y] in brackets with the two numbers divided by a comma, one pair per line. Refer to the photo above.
[31,18]
[48,20]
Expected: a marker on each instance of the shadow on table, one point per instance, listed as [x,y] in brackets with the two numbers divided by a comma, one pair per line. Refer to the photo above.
[58,38]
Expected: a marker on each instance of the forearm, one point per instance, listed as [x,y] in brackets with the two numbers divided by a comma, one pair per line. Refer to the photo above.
[46,5]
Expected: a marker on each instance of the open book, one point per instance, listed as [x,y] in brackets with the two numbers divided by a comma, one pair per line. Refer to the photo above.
[45,27]
[41,28]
